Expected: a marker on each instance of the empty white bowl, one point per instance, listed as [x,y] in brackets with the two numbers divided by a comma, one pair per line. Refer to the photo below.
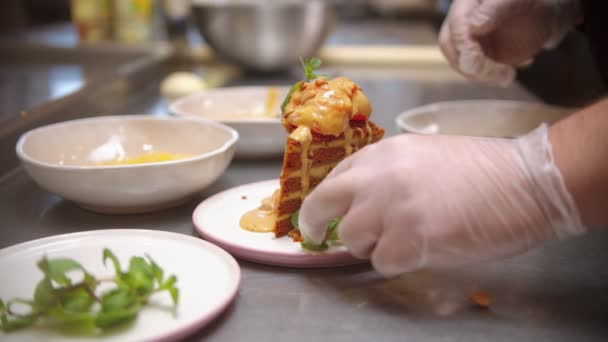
[485,118]
[247,110]
[67,159]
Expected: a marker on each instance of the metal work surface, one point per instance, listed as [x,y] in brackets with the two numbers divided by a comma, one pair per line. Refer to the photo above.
[32,74]
[555,293]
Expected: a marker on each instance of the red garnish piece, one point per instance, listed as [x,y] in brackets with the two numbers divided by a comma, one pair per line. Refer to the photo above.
[358,117]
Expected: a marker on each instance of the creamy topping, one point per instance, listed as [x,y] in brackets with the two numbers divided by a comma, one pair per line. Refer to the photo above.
[326,106]
[303,135]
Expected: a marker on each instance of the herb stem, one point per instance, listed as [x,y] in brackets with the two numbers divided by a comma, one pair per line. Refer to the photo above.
[82,285]
[86,304]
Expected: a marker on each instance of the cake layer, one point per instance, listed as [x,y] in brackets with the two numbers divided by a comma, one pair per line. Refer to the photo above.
[329,148]
[323,153]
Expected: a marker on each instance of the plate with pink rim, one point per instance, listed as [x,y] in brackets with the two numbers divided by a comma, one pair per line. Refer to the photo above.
[208,279]
[217,220]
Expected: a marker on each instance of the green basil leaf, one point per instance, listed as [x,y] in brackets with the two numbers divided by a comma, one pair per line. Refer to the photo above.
[314,62]
[294,219]
[332,229]
[44,294]
[169,282]
[316,248]
[140,276]
[174,292]
[156,270]
[333,224]
[107,319]
[310,65]
[77,300]
[16,323]
[71,307]
[139,265]
[107,254]
[90,281]
[332,234]
[169,285]
[286,100]
[56,269]
[67,317]
[43,265]
[3,319]
[118,298]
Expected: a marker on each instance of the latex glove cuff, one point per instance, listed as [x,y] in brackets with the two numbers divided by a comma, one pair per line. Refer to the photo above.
[557,203]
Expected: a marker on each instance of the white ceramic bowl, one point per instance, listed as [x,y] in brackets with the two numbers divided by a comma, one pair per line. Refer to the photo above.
[486,118]
[65,159]
[244,109]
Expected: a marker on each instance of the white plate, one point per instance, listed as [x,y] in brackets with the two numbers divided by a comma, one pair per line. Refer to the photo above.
[207,278]
[217,220]
[244,109]
[486,118]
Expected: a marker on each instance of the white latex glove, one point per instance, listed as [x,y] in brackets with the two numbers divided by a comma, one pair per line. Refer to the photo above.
[485,39]
[416,201]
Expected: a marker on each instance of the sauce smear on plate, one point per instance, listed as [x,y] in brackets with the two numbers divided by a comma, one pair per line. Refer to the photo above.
[261,219]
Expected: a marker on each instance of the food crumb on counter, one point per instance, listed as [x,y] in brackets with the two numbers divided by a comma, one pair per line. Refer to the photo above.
[243,197]
[481,299]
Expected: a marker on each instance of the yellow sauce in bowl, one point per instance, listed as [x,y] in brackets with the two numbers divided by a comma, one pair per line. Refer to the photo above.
[152,157]
[271,100]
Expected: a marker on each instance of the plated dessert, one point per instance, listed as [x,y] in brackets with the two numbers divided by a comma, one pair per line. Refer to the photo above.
[217,218]
[326,121]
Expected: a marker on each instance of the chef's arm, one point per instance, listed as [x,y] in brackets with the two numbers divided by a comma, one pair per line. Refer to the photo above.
[580,149]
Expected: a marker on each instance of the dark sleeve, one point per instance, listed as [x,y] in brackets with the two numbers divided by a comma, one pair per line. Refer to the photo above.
[595,27]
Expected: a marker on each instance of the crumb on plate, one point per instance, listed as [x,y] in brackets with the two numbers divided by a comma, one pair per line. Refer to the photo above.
[481,299]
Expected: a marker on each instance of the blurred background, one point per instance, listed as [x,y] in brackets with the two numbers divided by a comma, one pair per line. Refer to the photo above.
[263,37]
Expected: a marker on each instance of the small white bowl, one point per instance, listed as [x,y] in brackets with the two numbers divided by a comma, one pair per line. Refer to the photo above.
[485,118]
[65,158]
[244,109]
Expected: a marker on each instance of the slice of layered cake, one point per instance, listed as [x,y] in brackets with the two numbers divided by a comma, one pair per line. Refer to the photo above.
[327,120]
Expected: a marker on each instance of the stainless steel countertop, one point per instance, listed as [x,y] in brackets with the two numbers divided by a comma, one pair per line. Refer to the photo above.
[554,293]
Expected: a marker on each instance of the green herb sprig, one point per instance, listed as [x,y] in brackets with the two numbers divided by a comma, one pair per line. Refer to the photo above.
[309,65]
[77,306]
[331,235]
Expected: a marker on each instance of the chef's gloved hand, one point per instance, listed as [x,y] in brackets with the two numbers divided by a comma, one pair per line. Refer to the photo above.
[416,201]
[485,39]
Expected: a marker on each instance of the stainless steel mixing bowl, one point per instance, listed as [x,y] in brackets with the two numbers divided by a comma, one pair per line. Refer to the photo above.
[264,35]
